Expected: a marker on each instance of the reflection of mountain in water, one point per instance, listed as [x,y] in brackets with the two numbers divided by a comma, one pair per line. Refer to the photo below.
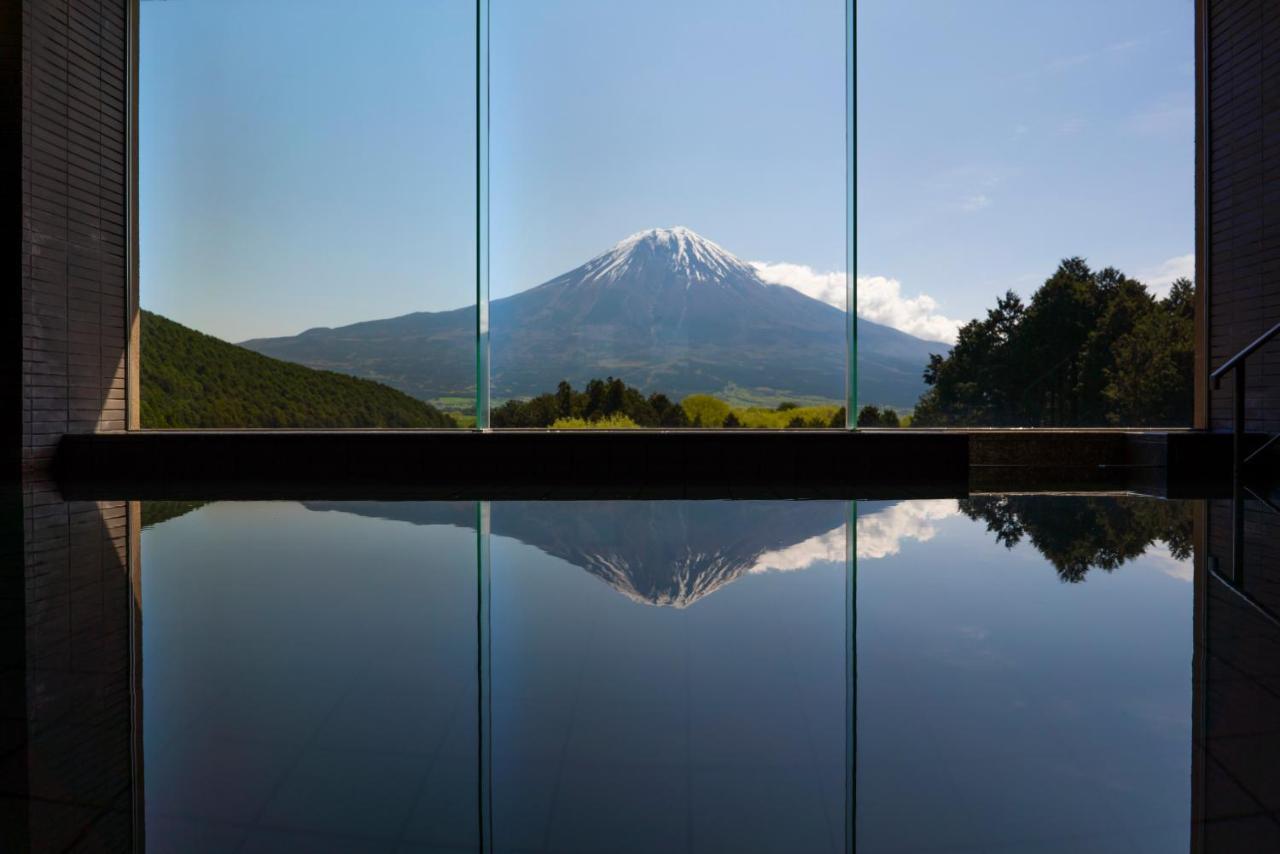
[666,552]
[669,553]
[460,514]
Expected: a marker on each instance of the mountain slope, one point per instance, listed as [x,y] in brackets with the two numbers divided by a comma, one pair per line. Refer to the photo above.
[665,310]
[665,553]
[190,379]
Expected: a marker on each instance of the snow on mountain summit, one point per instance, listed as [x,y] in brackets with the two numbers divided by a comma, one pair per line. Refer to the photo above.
[678,250]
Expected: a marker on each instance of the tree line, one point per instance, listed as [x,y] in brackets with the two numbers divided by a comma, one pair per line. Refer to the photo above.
[1091,348]
[874,416]
[611,403]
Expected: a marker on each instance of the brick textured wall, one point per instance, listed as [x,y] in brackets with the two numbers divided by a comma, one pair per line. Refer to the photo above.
[67,780]
[74,232]
[11,227]
[1242,198]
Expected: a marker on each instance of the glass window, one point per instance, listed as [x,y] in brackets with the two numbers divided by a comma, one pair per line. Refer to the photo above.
[665,210]
[668,213]
[1026,205]
[307,213]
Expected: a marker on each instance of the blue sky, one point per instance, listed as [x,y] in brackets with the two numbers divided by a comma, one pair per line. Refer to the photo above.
[997,137]
[302,165]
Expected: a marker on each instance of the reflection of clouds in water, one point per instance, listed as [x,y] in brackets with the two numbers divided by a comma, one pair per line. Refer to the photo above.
[822,548]
[881,534]
[1161,559]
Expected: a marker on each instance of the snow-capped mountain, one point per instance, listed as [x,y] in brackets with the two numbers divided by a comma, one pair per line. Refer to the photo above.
[675,251]
[665,310]
[664,553]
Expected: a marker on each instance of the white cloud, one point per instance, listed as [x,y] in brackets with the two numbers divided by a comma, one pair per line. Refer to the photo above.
[827,287]
[880,299]
[970,187]
[1159,557]
[881,534]
[1161,276]
[824,548]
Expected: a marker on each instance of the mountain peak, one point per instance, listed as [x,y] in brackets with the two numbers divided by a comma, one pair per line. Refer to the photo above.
[666,309]
[675,235]
[678,250]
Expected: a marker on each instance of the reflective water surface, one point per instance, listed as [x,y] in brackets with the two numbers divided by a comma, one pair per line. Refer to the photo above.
[991,674]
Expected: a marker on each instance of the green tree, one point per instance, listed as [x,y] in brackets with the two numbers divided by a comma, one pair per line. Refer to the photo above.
[705,410]
[615,393]
[669,414]
[1091,348]
[978,381]
[1147,380]
[1062,314]
[874,416]
[869,416]
[564,399]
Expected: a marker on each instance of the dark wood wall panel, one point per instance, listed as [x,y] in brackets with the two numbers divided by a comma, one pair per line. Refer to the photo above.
[1243,199]
[74,225]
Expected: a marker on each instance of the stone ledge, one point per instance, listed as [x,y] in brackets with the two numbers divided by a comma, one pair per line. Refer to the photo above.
[639,464]
[443,461]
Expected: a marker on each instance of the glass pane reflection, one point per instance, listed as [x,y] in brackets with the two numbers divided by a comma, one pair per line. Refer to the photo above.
[669,675]
[1002,706]
[309,674]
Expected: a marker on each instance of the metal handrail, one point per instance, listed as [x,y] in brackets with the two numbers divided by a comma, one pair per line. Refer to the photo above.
[1235,360]
[1237,363]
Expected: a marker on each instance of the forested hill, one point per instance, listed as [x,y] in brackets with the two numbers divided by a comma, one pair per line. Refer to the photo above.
[1091,348]
[190,379]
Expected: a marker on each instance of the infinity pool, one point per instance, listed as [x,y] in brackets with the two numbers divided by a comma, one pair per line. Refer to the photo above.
[1001,673]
